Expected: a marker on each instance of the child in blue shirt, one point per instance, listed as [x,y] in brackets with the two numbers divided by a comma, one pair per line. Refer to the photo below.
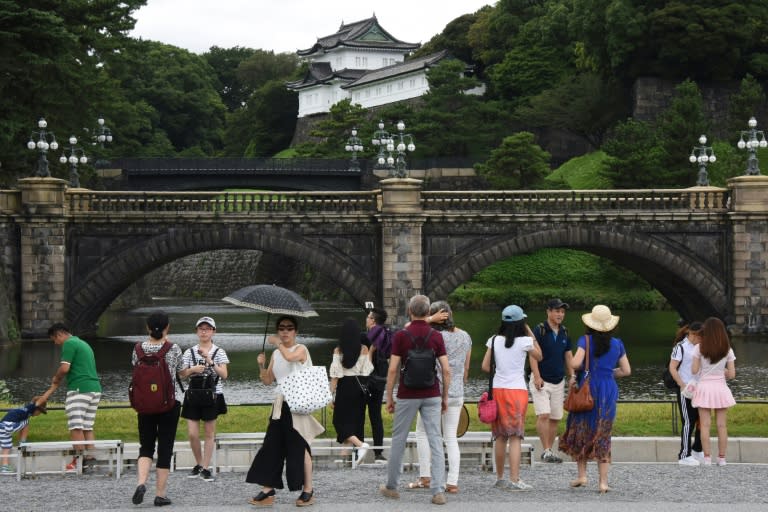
[17,420]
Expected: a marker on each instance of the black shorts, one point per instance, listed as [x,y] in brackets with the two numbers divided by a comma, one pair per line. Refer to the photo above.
[195,413]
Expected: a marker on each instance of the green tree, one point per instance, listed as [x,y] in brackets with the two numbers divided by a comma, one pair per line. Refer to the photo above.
[745,103]
[585,105]
[226,62]
[704,40]
[634,156]
[181,89]
[453,122]
[455,39]
[333,132]
[679,128]
[655,155]
[53,56]
[265,125]
[518,163]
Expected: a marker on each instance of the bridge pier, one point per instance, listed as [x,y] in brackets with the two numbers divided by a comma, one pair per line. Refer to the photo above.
[43,242]
[402,219]
[749,218]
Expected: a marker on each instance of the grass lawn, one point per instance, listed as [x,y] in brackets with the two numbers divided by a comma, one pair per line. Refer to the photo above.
[117,421]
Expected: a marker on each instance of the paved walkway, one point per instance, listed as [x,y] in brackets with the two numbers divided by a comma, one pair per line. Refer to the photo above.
[635,487]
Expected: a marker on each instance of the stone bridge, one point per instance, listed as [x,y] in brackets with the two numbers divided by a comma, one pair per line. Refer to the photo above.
[68,253]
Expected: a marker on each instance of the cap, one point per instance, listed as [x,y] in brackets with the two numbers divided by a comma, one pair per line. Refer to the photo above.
[513,314]
[205,320]
[557,304]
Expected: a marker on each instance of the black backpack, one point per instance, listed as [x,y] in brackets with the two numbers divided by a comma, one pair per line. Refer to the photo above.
[666,375]
[420,368]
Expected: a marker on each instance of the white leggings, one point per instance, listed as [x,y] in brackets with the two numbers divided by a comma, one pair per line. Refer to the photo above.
[450,426]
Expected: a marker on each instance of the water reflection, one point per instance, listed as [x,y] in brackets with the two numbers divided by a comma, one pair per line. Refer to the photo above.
[646,335]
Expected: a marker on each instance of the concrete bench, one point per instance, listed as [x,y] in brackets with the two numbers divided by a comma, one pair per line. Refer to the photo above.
[56,454]
[476,448]
[235,450]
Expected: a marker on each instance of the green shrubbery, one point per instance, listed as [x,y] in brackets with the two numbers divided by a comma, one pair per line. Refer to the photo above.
[580,278]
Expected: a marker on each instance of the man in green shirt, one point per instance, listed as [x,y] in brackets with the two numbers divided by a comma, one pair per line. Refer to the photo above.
[78,365]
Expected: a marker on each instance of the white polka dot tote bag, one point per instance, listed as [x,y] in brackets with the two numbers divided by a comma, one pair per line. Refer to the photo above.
[307,390]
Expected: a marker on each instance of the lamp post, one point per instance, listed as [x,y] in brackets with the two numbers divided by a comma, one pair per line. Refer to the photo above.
[101,135]
[354,145]
[405,143]
[702,155]
[754,139]
[42,145]
[76,155]
[383,140]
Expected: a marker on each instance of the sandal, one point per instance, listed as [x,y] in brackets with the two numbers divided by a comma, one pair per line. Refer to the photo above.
[421,483]
[305,499]
[263,499]
[452,489]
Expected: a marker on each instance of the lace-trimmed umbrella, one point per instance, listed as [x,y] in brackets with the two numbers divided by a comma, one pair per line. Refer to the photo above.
[273,300]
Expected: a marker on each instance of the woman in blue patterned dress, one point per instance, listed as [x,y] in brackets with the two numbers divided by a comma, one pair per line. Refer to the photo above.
[587,434]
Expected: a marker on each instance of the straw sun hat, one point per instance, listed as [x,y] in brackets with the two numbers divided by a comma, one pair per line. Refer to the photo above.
[600,319]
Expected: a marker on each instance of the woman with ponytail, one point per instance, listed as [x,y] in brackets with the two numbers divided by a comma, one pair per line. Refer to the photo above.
[159,428]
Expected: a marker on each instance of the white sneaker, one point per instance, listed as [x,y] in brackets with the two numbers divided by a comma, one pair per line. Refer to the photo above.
[721,461]
[361,451]
[688,461]
[519,486]
[699,456]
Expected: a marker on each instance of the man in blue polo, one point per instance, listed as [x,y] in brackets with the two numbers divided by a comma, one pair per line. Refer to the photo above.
[547,382]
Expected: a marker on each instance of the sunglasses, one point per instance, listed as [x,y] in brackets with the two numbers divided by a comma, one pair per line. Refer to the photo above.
[285,328]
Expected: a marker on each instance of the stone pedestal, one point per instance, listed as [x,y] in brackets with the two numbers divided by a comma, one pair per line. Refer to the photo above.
[749,220]
[43,248]
[402,219]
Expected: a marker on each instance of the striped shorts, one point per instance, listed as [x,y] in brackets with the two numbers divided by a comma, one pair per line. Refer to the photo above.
[7,428]
[81,409]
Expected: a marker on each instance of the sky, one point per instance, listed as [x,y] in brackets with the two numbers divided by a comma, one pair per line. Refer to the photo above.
[288,25]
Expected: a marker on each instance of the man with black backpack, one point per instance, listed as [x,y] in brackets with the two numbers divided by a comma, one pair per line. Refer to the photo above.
[415,352]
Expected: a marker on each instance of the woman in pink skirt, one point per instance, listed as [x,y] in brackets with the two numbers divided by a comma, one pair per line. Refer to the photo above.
[713,362]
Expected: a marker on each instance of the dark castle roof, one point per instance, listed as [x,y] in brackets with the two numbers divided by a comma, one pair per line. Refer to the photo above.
[319,73]
[360,34]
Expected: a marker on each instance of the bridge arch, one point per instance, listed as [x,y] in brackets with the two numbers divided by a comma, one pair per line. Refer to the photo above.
[91,294]
[692,287]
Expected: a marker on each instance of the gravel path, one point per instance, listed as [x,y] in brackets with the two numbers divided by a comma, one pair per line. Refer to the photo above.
[635,487]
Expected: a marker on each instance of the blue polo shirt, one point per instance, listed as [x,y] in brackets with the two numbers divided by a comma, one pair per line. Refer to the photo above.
[553,348]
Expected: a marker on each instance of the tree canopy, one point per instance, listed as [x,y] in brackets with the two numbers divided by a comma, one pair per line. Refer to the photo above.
[548,66]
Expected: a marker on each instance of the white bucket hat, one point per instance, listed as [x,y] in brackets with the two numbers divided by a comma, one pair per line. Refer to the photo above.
[600,319]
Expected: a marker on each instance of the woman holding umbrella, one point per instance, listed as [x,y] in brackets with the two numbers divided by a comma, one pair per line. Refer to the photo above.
[288,434]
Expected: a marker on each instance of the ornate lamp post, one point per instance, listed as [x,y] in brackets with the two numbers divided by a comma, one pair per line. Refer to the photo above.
[103,133]
[754,139]
[354,145]
[42,145]
[76,155]
[703,155]
[383,140]
[405,143]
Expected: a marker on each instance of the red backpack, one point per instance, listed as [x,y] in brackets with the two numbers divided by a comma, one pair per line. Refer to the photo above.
[152,390]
